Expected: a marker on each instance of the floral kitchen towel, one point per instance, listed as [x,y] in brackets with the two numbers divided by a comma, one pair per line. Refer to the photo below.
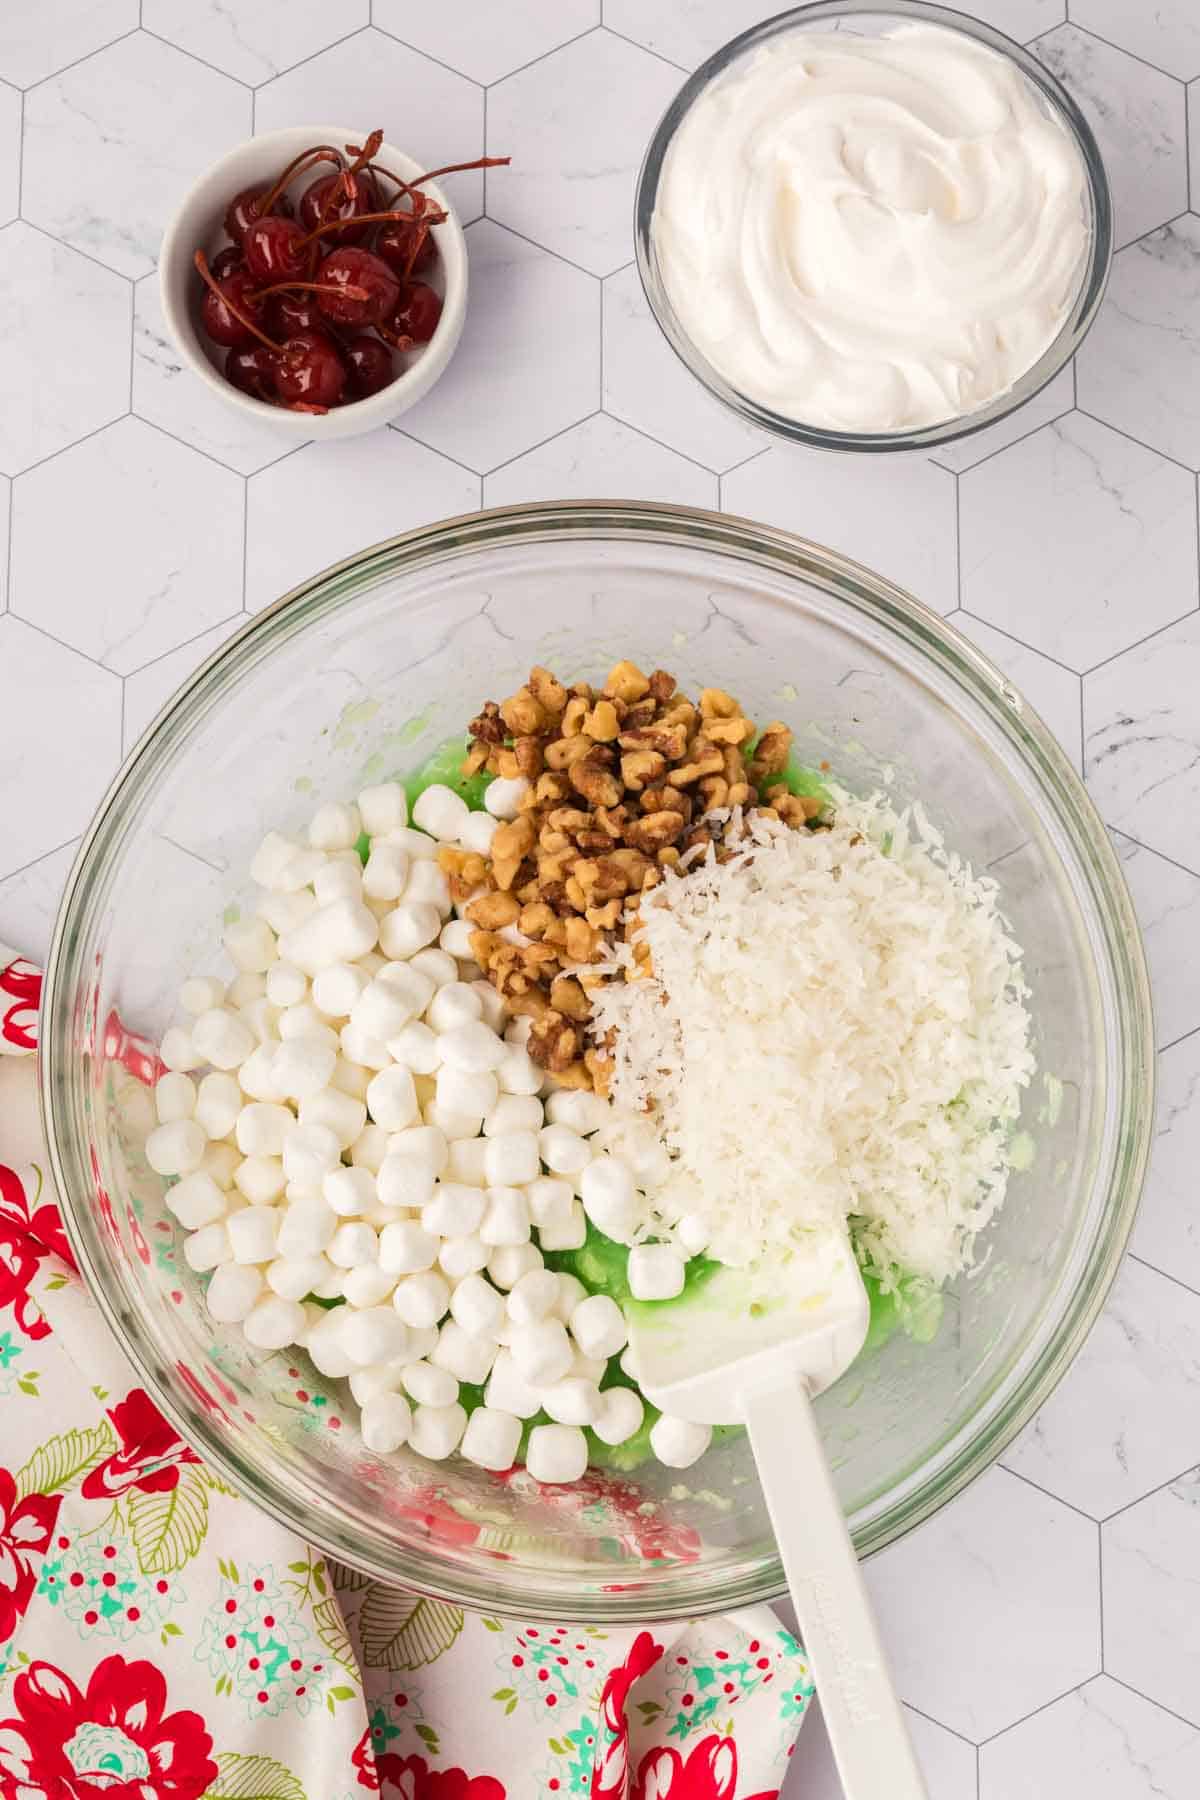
[162,1640]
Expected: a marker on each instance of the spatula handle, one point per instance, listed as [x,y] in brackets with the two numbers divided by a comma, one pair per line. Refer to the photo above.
[862,1712]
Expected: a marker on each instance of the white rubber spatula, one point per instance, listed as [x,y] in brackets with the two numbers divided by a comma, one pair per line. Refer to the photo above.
[753,1348]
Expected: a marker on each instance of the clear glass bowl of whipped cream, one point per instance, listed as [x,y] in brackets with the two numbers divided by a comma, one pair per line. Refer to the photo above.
[870,228]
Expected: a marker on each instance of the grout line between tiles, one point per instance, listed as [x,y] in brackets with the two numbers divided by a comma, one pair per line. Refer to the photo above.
[1175,1280]
[257,87]
[1140,642]
[1151,1701]
[682,68]
[1120,431]
[1089,31]
[76,61]
[1049,1493]
[503,225]
[1181,1039]
[213,69]
[1162,1486]
[499,80]
[55,850]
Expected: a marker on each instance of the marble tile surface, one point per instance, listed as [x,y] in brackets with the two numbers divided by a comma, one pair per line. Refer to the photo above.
[1061,542]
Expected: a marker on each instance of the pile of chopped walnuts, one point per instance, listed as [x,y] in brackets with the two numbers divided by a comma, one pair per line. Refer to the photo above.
[622,783]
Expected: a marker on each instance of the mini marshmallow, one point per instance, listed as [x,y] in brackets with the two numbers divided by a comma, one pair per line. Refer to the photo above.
[422,1144]
[472,1095]
[262,1129]
[272,858]
[517,1031]
[437,1430]
[533,1296]
[460,1256]
[518,1073]
[351,1078]
[542,1351]
[254,1233]
[353,1244]
[383,807]
[455,940]
[256,1077]
[373,1334]
[565,1233]
[656,1272]
[334,827]
[201,993]
[507,1389]
[441,812]
[572,1401]
[177,1050]
[386,873]
[408,928]
[419,845]
[579,1111]
[506,1265]
[262,1018]
[421,1300]
[175,1098]
[466,1161]
[306,1228]
[427,883]
[348,1192]
[436,966]
[393,999]
[556,1453]
[283,912]
[477,1307]
[598,1326]
[208,1247]
[222,1038]
[356,1046]
[369,1148]
[232,1292]
[386,1423]
[336,988]
[589,1368]
[454,1211]
[503,797]
[382,1378]
[301,1067]
[338,881]
[221,1161]
[477,833]
[453,1005]
[250,945]
[310,1152]
[512,1159]
[368,1285]
[610,1199]
[176,1148]
[570,1292]
[324,1343]
[619,1415]
[405,1248]
[506,1219]
[563,1151]
[392,1099]
[491,1438]
[453,1125]
[302,1020]
[291,1277]
[513,1113]
[549,1201]
[340,1113]
[430,1385]
[197,1200]
[678,1442]
[472,1048]
[286,984]
[494,1010]
[416,1048]
[337,933]
[692,1234]
[466,1356]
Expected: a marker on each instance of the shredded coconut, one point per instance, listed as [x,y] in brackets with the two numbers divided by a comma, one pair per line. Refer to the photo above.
[834,1029]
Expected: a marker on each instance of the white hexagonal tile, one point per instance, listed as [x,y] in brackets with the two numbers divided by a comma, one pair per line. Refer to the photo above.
[167,523]
[1166,33]
[62,711]
[1138,117]
[947,1762]
[1167,899]
[29,901]
[1123,1419]
[113,144]
[646,384]
[487,42]
[1167,1232]
[10,153]
[684,31]
[1141,742]
[1152,1596]
[148,689]
[255,39]
[64,346]
[37,40]
[1193,101]
[1050,689]
[5,517]
[1139,367]
[1102,1741]
[371,80]
[575,153]
[1020,19]
[168,393]
[601,460]
[1055,399]
[528,364]
[1078,541]
[956,1599]
[330,500]
[864,506]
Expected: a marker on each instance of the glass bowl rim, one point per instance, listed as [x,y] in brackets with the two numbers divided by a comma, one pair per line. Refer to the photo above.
[1074,328]
[1033,1374]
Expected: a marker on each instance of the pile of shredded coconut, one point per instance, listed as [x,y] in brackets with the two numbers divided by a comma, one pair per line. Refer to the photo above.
[834,1029]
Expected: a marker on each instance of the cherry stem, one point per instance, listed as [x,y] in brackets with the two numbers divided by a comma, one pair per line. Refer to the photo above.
[304,406]
[311,287]
[379,218]
[397,339]
[480,162]
[318,153]
[362,155]
[209,280]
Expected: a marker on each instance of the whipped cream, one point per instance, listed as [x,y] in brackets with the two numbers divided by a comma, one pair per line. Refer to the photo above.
[872,233]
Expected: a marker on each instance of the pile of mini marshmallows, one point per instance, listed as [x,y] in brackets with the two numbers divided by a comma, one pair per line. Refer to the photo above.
[371,1132]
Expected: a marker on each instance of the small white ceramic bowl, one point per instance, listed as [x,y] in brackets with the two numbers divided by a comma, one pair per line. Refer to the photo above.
[199,225]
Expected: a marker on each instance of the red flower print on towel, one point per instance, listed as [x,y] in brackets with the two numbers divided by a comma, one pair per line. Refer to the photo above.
[409,1778]
[150,1454]
[710,1773]
[26,1527]
[115,1740]
[610,1776]
[20,993]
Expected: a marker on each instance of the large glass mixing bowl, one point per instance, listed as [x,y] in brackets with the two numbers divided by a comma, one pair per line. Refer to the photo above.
[361,673]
